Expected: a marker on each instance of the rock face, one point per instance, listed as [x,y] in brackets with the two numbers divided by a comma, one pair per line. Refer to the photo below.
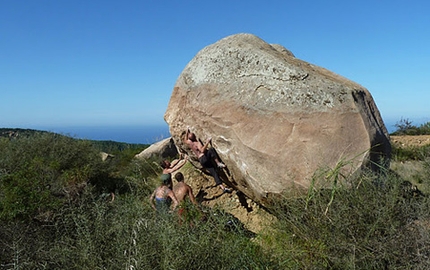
[274,119]
[164,149]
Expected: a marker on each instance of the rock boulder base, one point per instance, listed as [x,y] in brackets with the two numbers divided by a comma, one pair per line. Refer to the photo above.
[163,149]
[274,119]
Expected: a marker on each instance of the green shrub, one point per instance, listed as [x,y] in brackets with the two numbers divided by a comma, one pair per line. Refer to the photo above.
[405,127]
[370,224]
[54,215]
[127,234]
[416,153]
[37,172]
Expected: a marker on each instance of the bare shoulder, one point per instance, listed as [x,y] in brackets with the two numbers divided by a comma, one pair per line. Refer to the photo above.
[179,186]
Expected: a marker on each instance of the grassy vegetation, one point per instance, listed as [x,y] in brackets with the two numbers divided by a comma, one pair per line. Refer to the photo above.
[368,226]
[405,127]
[111,147]
[56,213]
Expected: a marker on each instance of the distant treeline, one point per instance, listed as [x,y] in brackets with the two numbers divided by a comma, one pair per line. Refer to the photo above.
[105,146]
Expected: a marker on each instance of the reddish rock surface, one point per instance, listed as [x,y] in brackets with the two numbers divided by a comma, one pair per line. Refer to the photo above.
[274,119]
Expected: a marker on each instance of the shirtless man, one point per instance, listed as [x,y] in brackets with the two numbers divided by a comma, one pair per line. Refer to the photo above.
[205,156]
[169,168]
[160,195]
[182,191]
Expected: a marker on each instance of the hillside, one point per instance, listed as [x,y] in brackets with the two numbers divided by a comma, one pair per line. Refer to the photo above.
[102,145]
[19,132]
[56,211]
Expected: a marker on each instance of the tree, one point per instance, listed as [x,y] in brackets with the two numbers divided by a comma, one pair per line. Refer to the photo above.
[403,127]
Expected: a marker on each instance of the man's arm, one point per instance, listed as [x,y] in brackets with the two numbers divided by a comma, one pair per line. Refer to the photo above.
[178,165]
[151,200]
[203,149]
[174,163]
[187,133]
[174,200]
[191,195]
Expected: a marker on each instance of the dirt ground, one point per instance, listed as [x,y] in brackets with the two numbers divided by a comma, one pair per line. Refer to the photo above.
[250,214]
[407,140]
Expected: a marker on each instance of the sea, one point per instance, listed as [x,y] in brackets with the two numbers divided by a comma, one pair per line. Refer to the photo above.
[127,134]
[149,134]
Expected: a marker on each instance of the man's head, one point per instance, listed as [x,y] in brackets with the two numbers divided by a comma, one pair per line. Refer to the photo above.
[179,177]
[192,136]
[165,164]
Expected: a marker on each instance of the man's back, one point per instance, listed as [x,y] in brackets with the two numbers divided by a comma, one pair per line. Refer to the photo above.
[183,191]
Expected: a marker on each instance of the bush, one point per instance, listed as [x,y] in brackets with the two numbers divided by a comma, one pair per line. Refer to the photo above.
[54,215]
[373,224]
[43,227]
[38,172]
[416,153]
[95,234]
[405,127]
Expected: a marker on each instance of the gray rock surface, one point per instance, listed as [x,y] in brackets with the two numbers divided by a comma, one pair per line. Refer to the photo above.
[164,149]
[274,119]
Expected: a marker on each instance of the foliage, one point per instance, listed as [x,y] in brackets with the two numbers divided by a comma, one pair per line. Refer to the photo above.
[19,132]
[96,234]
[113,147]
[34,172]
[373,223]
[405,127]
[56,213]
[416,153]
[39,170]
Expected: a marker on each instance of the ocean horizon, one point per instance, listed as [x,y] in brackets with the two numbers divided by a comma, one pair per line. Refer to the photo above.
[131,134]
[148,134]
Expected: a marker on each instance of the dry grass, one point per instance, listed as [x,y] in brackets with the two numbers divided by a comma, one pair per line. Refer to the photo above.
[414,171]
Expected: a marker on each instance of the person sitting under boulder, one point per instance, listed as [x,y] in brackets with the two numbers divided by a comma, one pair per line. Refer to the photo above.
[205,156]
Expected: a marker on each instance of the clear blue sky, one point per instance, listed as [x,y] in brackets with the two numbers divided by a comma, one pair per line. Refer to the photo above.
[114,63]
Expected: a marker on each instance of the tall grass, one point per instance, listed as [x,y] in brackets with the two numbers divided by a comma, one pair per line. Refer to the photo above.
[367,226]
[374,221]
[96,234]
[85,230]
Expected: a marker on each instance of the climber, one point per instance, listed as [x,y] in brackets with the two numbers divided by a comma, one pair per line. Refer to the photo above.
[205,156]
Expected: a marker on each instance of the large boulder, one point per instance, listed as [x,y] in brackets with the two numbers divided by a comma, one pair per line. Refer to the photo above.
[274,119]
